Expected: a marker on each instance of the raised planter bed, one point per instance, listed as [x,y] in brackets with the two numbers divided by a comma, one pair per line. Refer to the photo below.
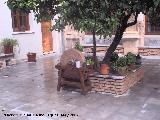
[116,85]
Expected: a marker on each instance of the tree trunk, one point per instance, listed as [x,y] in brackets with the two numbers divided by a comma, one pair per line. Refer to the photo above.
[113,46]
[94,50]
[118,36]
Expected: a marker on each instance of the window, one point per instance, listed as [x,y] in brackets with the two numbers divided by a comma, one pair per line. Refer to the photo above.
[20,21]
[151,28]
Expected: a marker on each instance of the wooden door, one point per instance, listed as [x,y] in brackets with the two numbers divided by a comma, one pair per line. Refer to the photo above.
[47,40]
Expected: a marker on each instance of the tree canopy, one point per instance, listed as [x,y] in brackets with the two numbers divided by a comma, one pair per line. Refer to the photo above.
[43,9]
[102,17]
[80,13]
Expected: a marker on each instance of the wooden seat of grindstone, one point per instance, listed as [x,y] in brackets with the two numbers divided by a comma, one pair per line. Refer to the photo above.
[69,75]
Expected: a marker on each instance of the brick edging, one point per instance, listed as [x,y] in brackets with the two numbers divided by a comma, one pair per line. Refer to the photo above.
[116,87]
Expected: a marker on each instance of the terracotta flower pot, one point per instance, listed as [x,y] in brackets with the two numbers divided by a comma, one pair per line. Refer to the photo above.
[31,57]
[104,70]
[8,49]
[132,66]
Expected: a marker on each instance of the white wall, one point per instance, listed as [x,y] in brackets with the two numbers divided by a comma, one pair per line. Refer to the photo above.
[58,40]
[5,20]
[29,41]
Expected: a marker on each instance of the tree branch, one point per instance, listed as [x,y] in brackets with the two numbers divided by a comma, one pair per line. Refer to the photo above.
[134,22]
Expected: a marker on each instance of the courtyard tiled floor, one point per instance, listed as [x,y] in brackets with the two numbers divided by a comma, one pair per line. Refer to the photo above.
[31,89]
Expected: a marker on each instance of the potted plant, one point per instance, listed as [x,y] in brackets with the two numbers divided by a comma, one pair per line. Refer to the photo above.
[8,44]
[114,58]
[78,46]
[89,61]
[31,57]
[121,65]
[131,60]
[138,59]
[89,64]
[104,70]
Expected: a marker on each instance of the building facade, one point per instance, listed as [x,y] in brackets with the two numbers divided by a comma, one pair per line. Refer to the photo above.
[143,38]
[32,36]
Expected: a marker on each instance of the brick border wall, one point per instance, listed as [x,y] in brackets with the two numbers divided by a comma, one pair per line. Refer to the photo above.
[87,49]
[144,51]
[115,87]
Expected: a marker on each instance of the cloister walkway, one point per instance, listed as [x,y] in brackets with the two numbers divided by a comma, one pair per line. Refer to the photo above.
[29,89]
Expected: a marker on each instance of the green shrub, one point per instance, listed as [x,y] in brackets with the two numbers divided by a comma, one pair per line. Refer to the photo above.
[89,61]
[121,62]
[78,46]
[131,58]
[114,57]
[121,65]
[138,60]
[9,42]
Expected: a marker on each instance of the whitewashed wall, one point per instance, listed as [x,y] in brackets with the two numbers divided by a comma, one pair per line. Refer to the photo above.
[29,41]
[58,40]
[5,20]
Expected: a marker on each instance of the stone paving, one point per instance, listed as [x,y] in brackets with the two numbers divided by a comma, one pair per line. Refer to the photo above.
[30,89]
